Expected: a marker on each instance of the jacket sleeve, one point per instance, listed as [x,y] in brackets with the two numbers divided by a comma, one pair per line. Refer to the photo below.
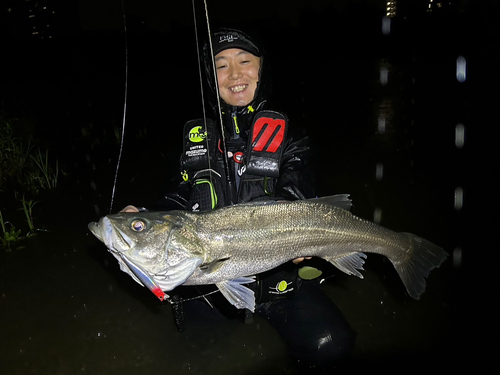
[297,177]
[174,195]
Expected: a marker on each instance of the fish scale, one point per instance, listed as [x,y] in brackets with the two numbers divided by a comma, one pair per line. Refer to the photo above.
[227,246]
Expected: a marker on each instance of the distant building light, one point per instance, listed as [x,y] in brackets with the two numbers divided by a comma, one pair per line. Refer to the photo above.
[384,76]
[390,8]
[461,72]
[386,25]
[459,135]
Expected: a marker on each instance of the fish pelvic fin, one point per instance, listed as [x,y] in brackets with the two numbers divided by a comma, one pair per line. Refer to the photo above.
[423,257]
[350,263]
[237,293]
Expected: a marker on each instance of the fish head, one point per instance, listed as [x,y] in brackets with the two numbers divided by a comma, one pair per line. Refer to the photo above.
[157,249]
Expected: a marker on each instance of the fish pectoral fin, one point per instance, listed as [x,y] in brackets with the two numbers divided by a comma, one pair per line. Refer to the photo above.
[237,293]
[349,263]
[213,266]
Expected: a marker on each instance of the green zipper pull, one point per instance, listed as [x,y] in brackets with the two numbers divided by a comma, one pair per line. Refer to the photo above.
[184,175]
[235,122]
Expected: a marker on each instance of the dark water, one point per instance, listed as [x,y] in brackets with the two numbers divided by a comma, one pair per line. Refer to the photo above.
[65,307]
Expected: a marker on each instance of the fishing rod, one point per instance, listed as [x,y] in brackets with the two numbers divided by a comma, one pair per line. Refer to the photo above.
[124,109]
[229,180]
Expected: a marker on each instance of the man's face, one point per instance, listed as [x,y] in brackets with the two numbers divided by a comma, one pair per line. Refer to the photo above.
[237,75]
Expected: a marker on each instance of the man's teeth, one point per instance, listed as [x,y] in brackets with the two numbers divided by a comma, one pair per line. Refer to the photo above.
[238,88]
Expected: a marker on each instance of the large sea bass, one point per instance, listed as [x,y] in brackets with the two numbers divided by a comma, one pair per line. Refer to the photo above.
[226,246]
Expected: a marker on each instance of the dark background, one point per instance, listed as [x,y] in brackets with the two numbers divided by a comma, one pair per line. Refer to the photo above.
[66,308]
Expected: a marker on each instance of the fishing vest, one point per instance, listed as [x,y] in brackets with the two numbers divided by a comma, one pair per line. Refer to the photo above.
[253,160]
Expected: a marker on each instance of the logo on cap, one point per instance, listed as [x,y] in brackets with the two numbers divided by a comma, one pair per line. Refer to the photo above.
[227,38]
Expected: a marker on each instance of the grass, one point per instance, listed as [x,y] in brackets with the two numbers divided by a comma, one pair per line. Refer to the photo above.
[28,212]
[9,237]
[47,176]
[25,171]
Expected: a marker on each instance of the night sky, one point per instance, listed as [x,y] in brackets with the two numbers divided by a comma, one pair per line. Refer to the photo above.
[160,15]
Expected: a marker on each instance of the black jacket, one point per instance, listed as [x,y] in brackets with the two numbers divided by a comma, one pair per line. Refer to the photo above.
[295,179]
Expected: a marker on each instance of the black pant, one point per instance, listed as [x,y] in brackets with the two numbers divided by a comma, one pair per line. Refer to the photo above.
[315,330]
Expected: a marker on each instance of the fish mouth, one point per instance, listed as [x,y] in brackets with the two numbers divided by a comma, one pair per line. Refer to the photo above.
[95,229]
[113,238]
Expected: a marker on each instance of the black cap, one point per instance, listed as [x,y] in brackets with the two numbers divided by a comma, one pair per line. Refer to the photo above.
[228,38]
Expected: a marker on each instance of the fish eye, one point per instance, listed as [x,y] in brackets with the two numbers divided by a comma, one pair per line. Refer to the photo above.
[138,225]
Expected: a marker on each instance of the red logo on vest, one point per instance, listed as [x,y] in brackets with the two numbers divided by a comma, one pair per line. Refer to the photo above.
[268,134]
[238,157]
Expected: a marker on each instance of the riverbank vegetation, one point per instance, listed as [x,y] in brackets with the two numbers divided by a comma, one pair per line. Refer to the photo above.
[27,171]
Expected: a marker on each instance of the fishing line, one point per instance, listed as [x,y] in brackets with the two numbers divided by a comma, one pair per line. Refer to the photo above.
[201,88]
[199,67]
[222,132]
[214,68]
[124,109]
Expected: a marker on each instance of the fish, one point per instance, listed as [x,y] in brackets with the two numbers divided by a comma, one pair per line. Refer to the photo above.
[228,246]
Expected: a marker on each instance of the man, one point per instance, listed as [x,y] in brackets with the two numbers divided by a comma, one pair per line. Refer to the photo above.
[259,157]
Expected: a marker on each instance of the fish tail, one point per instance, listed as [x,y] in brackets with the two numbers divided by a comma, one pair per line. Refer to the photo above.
[423,257]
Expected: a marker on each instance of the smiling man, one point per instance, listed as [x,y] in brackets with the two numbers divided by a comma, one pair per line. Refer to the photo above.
[237,75]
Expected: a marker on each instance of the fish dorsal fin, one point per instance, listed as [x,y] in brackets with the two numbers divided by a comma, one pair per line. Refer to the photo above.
[340,200]
[237,293]
[349,263]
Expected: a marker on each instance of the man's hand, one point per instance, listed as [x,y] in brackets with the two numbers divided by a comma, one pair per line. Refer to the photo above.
[130,208]
[301,259]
